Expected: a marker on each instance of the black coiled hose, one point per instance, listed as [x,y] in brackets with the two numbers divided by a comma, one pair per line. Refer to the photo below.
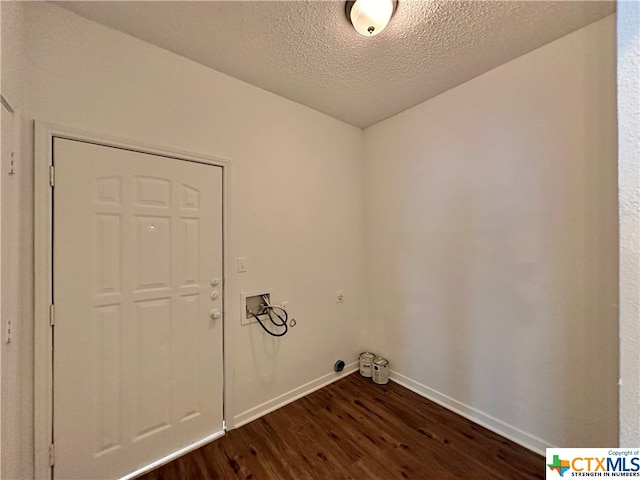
[271,310]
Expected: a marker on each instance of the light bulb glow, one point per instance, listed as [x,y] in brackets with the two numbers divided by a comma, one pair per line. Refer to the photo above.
[370,17]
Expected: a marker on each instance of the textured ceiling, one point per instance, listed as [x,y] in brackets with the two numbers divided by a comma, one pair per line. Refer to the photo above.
[307,51]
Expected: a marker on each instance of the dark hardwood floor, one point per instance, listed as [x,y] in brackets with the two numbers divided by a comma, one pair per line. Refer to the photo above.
[355,429]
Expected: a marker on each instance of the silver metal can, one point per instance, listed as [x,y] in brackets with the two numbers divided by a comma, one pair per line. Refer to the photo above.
[366,361]
[380,371]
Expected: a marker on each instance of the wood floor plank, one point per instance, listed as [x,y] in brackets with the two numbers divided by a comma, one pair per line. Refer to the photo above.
[354,429]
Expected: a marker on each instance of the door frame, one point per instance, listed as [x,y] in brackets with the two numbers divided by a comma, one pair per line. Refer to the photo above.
[44,133]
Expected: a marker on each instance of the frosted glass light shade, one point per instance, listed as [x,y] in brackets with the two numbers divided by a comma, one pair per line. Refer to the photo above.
[370,17]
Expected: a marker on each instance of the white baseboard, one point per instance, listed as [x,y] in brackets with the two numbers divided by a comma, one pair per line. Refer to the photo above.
[514,434]
[171,457]
[291,396]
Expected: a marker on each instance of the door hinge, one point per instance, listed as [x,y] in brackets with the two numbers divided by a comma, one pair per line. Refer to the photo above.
[52,315]
[52,175]
[52,455]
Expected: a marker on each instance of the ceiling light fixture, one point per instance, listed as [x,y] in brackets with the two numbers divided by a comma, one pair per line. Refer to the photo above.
[370,17]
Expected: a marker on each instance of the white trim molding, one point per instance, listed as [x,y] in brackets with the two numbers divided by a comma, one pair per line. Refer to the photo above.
[42,238]
[291,396]
[514,434]
[43,230]
[173,456]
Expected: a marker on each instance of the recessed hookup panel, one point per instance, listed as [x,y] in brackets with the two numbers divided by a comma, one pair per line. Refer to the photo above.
[253,301]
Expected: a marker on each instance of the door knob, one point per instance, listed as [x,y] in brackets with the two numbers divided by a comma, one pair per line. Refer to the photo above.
[215,295]
[215,314]
[215,281]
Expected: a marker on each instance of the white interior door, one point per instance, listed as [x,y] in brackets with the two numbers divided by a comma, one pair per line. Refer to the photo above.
[137,254]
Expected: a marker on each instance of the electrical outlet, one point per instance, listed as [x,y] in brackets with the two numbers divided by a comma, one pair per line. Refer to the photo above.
[340,296]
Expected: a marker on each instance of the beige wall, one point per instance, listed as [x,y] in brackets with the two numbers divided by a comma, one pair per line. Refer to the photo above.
[295,204]
[16,377]
[492,244]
